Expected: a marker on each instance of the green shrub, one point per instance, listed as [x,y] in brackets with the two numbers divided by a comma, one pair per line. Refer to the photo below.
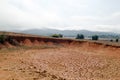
[95,37]
[80,36]
[60,35]
[2,38]
[57,35]
[117,40]
[111,40]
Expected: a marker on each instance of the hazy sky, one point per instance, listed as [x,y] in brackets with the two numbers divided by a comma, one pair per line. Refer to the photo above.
[100,15]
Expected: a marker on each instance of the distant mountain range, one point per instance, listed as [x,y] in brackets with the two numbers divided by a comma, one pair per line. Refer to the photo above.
[70,33]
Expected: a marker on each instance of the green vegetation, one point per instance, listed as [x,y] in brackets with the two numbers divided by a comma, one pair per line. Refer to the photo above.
[80,36]
[111,40]
[57,35]
[13,41]
[3,38]
[95,37]
[117,40]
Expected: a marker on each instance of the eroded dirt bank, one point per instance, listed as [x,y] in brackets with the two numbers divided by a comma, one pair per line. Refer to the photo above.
[15,41]
[70,60]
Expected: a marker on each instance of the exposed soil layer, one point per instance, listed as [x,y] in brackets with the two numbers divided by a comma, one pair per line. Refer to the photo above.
[32,40]
[59,59]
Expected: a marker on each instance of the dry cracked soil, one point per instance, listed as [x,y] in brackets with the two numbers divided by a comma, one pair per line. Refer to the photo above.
[60,63]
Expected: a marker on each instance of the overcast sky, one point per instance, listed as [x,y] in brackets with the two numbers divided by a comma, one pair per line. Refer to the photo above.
[97,15]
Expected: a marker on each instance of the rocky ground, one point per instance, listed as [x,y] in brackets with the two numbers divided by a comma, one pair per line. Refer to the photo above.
[60,63]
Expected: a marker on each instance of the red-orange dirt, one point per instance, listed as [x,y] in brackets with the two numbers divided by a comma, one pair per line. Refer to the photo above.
[59,59]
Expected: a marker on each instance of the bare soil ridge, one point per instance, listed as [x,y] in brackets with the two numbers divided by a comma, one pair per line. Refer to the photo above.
[59,59]
[30,40]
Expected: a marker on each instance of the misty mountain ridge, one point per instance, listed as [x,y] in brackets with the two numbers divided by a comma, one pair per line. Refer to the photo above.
[69,33]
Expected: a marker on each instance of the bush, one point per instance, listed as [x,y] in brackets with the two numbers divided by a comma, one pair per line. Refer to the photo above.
[80,36]
[95,37]
[60,35]
[2,38]
[117,40]
[111,40]
[57,35]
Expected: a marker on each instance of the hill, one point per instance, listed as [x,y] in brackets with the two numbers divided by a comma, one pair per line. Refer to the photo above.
[70,33]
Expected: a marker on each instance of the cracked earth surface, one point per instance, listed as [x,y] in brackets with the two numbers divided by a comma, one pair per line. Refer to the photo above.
[63,63]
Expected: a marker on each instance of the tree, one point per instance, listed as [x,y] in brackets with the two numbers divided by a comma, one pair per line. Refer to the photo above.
[60,35]
[95,37]
[77,37]
[117,40]
[111,40]
[80,36]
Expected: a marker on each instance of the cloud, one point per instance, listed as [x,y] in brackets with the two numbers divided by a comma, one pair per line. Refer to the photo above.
[15,15]
[59,14]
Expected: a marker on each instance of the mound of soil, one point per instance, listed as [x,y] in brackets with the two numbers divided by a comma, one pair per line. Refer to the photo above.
[27,42]
[7,44]
[36,43]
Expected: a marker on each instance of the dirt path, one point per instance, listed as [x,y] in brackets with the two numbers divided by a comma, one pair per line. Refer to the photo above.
[67,63]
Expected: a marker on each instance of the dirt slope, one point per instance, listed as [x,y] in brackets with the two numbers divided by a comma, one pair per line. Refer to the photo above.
[41,58]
